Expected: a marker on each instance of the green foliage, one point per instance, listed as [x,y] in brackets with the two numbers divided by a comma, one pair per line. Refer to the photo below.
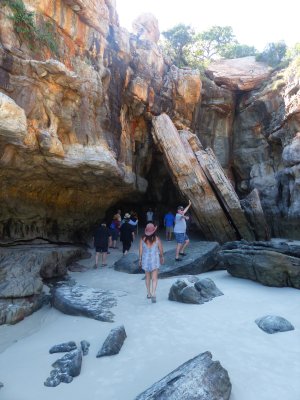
[273,54]
[214,40]
[293,52]
[237,50]
[178,39]
[25,26]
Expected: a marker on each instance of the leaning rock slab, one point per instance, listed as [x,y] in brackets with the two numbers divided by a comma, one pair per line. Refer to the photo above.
[113,343]
[198,379]
[201,257]
[274,324]
[84,301]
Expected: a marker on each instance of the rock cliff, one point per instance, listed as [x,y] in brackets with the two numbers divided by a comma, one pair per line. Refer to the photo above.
[76,118]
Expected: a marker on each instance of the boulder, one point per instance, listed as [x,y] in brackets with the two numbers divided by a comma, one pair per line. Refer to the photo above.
[65,368]
[128,263]
[63,347]
[274,324]
[242,74]
[85,345]
[198,378]
[113,343]
[84,301]
[193,291]
[201,257]
[261,263]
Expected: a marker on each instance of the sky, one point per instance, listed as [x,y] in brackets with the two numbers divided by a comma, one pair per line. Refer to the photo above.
[255,23]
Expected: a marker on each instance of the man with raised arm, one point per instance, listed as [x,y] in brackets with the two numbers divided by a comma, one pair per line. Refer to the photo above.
[180,231]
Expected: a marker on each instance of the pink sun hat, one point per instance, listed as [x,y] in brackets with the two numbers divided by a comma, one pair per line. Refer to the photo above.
[150,229]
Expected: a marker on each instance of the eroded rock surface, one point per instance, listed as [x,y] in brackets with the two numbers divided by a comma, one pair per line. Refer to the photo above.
[263,262]
[84,301]
[198,378]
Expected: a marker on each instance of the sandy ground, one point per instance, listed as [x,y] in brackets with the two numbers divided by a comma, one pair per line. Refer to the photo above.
[161,336]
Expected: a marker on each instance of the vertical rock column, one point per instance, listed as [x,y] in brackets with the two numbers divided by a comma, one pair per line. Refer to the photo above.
[201,179]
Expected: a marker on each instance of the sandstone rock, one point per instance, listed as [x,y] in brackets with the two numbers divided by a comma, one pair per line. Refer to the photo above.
[198,378]
[13,124]
[239,73]
[128,263]
[113,343]
[291,153]
[146,27]
[84,301]
[274,324]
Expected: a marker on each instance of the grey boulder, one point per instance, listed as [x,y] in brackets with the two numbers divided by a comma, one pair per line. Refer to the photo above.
[274,324]
[63,347]
[193,291]
[113,343]
[84,301]
[197,379]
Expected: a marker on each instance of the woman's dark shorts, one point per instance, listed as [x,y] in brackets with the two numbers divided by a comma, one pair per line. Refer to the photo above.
[101,249]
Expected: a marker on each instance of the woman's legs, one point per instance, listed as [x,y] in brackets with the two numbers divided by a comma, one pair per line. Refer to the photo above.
[96,260]
[154,278]
[148,281]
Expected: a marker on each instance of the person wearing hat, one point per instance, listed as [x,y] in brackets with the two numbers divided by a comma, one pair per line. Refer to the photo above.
[126,234]
[151,256]
[180,231]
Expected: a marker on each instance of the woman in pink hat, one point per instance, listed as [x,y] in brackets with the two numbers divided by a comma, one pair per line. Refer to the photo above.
[151,256]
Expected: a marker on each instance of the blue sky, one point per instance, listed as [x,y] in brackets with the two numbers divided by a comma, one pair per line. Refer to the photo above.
[255,22]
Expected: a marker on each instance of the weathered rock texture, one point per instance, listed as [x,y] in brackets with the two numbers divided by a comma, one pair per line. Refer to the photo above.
[84,301]
[113,343]
[270,263]
[199,378]
[22,270]
[75,125]
[194,291]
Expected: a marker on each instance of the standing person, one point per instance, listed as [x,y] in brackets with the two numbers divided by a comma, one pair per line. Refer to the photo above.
[101,238]
[127,234]
[151,255]
[114,229]
[134,221]
[180,231]
[169,224]
[149,216]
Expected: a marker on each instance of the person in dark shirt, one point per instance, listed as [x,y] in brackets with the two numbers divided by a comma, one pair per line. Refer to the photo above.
[101,238]
[127,234]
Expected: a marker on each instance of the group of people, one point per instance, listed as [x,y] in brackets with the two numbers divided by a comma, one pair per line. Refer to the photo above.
[151,254]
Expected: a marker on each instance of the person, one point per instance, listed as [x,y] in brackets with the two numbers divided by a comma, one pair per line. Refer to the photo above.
[101,238]
[151,256]
[114,229]
[134,221]
[126,234]
[149,216]
[169,224]
[180,231]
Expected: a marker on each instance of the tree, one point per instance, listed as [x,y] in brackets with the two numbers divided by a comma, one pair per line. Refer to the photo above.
[214,40]
[237,50]
[178,38]
[273,53]
[293,51]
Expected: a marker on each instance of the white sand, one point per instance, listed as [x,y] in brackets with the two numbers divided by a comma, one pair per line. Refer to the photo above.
[161,336]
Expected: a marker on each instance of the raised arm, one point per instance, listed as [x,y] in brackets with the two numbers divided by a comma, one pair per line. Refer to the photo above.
[187,207]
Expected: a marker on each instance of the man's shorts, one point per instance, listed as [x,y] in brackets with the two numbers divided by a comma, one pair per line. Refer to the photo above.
[101,249]
[181,237]
[169,229]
